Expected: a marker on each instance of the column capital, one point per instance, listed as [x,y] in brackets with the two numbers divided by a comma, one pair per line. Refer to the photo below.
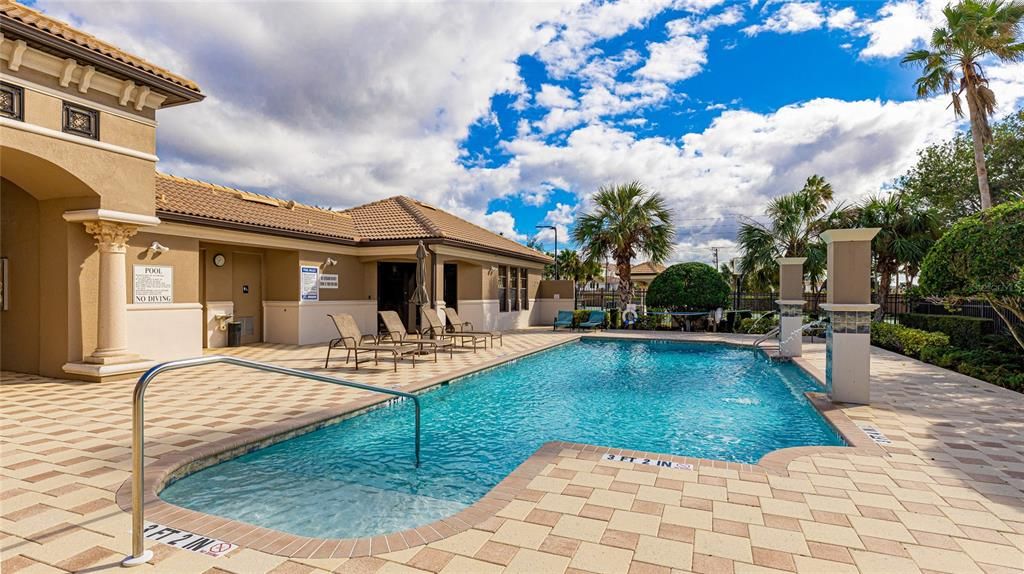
[110,236]
[857,234]
[790,260]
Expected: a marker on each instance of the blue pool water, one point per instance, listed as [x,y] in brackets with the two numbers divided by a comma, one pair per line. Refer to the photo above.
[357,478]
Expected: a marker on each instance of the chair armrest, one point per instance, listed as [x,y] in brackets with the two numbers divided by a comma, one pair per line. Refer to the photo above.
[370,337]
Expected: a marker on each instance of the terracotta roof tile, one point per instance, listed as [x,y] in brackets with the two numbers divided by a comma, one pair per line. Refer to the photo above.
[55,27]
[648,268]
[189,197]
[392,219]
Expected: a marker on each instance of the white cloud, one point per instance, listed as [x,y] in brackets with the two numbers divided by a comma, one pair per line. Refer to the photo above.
[551,96]
[791,18]
[901,25]
[700,24]
[677,59]
[844,19]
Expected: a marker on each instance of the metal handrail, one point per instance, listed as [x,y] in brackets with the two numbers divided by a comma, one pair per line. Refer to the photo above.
[766,336]
[139,554]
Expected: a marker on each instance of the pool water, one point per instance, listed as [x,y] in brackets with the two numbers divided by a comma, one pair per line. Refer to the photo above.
[357,478]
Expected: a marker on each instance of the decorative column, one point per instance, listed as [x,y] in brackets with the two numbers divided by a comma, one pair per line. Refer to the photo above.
[791,305]
[112,328]
[849,308]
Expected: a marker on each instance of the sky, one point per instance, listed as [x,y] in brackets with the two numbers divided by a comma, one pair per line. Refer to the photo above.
[513,114]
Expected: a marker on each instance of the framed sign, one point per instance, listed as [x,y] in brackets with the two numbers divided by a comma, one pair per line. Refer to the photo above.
[309,283]
[153,284]
[329,281]
[4,293]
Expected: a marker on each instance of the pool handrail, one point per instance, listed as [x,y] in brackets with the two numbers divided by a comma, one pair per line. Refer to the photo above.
[139,554]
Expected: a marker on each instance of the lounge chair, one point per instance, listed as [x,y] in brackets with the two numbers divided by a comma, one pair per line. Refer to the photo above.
[595,320]
[433,327]
[466,328]
[352,339]
[396,334]
[564,319]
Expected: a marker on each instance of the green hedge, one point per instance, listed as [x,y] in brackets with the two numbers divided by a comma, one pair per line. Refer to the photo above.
[906,340]
[758,326]
[998,362]
[965,332]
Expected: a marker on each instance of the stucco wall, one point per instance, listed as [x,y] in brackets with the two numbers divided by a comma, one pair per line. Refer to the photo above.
[19,244]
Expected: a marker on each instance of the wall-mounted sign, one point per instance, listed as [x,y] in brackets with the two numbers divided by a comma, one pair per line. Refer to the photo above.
[309,284]
[153,284]
[329,281]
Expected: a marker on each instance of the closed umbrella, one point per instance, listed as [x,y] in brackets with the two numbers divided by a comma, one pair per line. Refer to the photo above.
[420,297]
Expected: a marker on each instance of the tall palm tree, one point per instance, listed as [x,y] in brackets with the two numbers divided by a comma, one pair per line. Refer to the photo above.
[795,222]
[627,221]
[951,64]
[906,233]
[580,270]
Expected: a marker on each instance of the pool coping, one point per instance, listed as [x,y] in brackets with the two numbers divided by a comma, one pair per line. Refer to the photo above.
[482,514]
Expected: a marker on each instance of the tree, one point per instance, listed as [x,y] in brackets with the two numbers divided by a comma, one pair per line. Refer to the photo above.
[945,179]
[627,221]
[689,287]
[795,222]
[581,271]
[980,257]
[906,233]
[974,30]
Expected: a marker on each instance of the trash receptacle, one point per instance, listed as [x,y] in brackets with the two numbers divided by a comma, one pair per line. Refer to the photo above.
[234,334]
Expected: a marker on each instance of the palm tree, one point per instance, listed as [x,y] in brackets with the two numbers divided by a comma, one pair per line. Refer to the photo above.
[906,234]
[627,221]
[581,271]
[951,65]
[795,222]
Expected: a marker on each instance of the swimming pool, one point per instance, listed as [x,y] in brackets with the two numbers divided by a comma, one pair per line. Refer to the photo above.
[357,478]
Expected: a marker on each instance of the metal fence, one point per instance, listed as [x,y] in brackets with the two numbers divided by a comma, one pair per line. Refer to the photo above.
[895,305]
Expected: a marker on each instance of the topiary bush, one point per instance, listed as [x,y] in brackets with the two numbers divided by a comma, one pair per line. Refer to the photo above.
[980,257]
[906,340]
[966,332]
[689,287]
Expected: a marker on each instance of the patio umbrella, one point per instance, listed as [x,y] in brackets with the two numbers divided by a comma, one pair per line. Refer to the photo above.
[420,296]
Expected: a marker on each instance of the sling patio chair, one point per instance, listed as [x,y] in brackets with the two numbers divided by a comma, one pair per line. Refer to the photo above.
[564,319]
[395,333]
[351,338]
[595,320]
[466,328]
[433,327]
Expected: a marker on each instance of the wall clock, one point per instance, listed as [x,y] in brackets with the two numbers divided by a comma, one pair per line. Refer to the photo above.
[219,260]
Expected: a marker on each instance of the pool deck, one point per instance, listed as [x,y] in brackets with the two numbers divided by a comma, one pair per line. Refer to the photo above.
[946,495]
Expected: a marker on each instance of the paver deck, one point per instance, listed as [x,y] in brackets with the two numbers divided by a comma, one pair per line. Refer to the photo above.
[947,495]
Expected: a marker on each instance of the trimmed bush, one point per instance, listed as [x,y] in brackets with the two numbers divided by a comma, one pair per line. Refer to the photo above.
[905,340]
[758,326]
[689,287]
[997,363]
[965,332]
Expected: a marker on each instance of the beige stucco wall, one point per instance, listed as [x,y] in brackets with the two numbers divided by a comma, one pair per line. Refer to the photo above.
[350,271]
[547,289]
[849,279]
[183,257]
[281,275]
[19,244]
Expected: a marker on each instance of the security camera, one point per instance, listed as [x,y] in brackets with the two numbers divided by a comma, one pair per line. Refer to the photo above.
[330,262]
[159,248]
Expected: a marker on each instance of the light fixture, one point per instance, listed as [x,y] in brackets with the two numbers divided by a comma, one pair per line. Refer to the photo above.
[330,262]
[156,247]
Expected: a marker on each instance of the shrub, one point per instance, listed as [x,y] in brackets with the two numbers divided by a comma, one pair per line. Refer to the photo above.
[758,326]
[966,332]
[992,363]
[910,342]
[981,257]
[689,287]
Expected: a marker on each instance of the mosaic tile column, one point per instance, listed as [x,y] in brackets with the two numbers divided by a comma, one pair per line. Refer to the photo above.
[849,308]
[791,305]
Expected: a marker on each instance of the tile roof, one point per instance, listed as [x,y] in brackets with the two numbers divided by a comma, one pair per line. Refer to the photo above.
[42,22]
[395,219]
[647,268]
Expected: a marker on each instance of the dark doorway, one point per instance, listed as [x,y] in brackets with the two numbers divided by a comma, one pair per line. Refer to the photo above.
[451,285]
[395,285]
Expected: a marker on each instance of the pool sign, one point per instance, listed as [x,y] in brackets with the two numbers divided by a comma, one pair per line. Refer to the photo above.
[309,283]
[153,284]
[187,540]
[874,434]
[329,281]
[648,461]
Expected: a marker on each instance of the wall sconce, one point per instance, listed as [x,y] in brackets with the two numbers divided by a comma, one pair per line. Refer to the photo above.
[330,262]
[156,247]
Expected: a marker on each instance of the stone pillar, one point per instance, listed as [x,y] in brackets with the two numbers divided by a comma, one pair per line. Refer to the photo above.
[849,308]
[112,328]
[791,305]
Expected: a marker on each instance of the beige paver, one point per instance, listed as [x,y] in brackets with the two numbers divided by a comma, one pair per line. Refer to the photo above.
[944,497]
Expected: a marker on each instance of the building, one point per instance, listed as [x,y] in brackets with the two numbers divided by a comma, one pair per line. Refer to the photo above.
[109,265]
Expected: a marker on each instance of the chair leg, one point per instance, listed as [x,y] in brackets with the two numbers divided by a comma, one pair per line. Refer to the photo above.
[328,359]
[356,353]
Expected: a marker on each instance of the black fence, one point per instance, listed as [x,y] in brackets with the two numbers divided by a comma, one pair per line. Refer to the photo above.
[895,305]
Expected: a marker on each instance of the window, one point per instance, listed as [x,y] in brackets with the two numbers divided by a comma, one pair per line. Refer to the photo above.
[12,99]
[81,121]
[513,292]
[523,292]
[502,289]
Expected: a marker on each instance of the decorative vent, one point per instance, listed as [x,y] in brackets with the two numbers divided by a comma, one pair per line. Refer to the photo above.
[81,121]
[12,99]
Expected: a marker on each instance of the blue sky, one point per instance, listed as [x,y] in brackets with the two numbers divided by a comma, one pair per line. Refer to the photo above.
[513,114]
